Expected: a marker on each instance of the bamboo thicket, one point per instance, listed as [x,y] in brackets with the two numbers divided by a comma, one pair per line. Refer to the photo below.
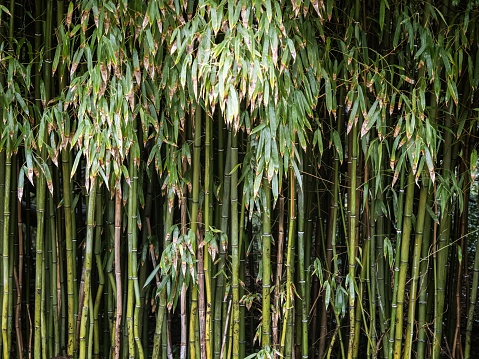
[212,179]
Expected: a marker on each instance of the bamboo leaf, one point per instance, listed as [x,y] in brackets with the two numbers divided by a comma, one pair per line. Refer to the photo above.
[337,145]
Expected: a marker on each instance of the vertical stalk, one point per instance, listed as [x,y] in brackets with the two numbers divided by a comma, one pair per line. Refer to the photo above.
[423,288]
[352,236]
[101,274]
[133,303]
[6,246]
[117,246]
[399,226]
[87,267]
[194,340]
[415,268]
[442,246]
[266,306]
[287,331]
[235,246]
[303,328]
[207,257]
[406,236]
[220,280]
[279,274]
[472,303]
[18,274]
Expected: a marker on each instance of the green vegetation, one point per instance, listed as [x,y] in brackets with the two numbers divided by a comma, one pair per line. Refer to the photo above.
[238,178]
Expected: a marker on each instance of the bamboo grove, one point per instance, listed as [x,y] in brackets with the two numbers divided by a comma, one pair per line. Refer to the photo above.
[232,179]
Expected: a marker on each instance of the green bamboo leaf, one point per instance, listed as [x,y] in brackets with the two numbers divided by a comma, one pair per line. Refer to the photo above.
[388,251]
[21,183]
[318,140]
[151,276]
[337,145]
[382,12]
[75,164]
[327,294]
[5,10]
[22,103]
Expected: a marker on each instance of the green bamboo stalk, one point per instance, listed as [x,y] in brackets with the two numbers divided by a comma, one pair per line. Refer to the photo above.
[235,248]
[266,258]
[304,313]
[399,236]
[68,217]
[183,315]
[279,275]
[220,280]
[415,268]
[6,246]
[207,257]
[242,344]
[406,236]
[54,285]
[2,223]
[423,289]
[159,341]
[18,274]
[442,247]
[287,330]
[331,258]
[117,247]
[372,276]
[133,298]
[352,243]
[363,278]
[83,345]
[109,339]
[194,340]
[101,274]
[39,272]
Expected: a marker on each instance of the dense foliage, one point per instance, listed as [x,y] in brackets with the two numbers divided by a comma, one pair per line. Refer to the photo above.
[206,178]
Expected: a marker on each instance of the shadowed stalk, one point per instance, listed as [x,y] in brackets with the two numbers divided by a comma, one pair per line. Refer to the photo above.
[101,274]
[279,275]
[220,279]
[266,258]
[472,304]
[406,237]
[415,268]
[399,236]
[442,246]
[208,222]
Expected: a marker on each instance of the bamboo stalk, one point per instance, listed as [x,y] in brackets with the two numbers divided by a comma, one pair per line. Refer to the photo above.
[287,330]
[87,268]
[235,248]
[5,252]
[472,305]
[119,304]
[266,258]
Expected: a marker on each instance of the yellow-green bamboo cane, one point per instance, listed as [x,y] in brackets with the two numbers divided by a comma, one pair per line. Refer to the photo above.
[194,340]
[6,246]
[87,269]
[235,247]
[415,268]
